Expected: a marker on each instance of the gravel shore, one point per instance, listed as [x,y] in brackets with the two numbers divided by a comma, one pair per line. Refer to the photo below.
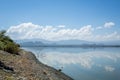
[25,66]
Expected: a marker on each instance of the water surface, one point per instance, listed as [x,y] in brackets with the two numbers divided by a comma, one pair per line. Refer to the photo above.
[82,63]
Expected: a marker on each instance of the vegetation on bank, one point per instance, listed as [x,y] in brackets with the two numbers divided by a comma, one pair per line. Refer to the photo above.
[7,44]
[24,66]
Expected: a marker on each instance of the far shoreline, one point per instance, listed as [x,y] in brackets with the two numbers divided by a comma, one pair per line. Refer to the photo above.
[81,46]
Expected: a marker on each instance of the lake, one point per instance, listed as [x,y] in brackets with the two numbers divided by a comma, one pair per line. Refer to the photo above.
[82,63]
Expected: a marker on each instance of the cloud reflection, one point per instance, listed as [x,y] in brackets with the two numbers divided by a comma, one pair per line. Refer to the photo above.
[86,60]
[109,68]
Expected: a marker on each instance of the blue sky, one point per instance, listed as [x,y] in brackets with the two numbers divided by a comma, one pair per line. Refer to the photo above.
[73,14]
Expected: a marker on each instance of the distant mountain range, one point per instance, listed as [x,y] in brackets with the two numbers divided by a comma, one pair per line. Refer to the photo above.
[41,42]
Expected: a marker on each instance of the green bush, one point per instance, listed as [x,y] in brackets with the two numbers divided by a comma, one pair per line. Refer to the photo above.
[2,45]
[11,48]
[7,44]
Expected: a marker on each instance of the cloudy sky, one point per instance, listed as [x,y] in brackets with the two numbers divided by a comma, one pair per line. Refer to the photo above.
[92,20]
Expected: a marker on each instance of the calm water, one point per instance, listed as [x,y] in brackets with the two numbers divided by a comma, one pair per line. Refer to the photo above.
[82,63]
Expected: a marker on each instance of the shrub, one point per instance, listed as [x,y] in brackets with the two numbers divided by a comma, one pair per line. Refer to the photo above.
[2,45]
[7,44]
[11,48]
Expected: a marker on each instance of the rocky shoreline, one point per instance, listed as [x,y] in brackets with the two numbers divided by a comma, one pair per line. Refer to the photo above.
[25,66]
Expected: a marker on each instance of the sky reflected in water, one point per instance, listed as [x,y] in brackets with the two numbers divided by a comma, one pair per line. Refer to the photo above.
[82,63]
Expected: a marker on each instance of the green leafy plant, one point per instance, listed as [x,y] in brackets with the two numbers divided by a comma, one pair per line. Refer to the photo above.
[7,44]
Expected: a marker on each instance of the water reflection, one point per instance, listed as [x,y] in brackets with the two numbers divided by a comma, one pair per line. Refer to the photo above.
[82,64]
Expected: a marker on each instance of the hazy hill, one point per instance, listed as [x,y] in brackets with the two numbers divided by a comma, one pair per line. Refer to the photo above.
[41,42]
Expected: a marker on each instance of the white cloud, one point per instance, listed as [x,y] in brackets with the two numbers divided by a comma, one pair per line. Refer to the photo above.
[61,26]
[112,36]
[33,31]
[99,27]
[109,24]
[106,25]
[29,31]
